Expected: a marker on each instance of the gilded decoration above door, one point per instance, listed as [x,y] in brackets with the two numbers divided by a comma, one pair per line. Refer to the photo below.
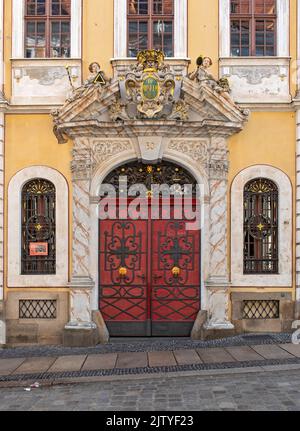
[148,94]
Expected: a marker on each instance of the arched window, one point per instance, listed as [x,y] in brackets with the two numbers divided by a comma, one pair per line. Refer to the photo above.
[260,227]
[150,26]
[38,227]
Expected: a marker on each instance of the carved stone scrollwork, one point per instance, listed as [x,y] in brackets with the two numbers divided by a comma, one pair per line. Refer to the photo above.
[105,149]
[195,149]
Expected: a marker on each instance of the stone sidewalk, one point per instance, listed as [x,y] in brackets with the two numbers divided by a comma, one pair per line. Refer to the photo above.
[80,366]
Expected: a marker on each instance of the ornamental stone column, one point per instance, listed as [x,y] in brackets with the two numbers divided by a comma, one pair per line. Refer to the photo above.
[81,330]
[217,284]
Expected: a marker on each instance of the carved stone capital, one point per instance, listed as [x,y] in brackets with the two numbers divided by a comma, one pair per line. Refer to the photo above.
[218,169]
[82,164]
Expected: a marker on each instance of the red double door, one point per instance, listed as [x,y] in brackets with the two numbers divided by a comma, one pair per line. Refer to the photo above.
[149,277]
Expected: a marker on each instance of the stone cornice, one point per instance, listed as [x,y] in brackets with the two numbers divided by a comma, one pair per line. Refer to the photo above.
[130,129]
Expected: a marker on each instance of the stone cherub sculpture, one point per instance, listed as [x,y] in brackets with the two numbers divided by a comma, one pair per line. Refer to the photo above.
[95,72]
[97,77]
[202,76]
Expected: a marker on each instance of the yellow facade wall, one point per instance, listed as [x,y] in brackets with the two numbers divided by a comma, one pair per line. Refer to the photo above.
[203,31]
[98,34]
[29,141]
[268,138]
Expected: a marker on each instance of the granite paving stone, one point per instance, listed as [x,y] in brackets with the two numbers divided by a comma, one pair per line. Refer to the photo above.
[215,355]
[68,363]
[272,352]
[35,365]
[186,357]
[8,366]
[161,359]
[231,392]
[294,349]
[244,353]
[106,361]
[132,360]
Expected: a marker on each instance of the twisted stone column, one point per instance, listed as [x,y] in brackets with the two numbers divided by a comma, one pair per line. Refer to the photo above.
[81,283]
[217,283]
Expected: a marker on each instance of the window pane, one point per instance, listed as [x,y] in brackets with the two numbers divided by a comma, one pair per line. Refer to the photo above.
[41,7]
[245,40]
[240,7]
[270,50]
[158,7]
[137,7]
[31,7]
[30,28]
[260,39]
[260,227]
[265,7]
[260,51]
[38,228]
[65,27]
[138,37]
[270,38]
[143,27]
[55,27]
[65,7]
[41,27]
[55,8]
[245,51]
[133,27]
[235,52]
[163,7]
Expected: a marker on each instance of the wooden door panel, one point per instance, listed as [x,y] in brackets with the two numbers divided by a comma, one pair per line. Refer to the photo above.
[175,296]
[123,295]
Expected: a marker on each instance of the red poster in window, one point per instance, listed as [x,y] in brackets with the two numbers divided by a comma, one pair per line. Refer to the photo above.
[38,249]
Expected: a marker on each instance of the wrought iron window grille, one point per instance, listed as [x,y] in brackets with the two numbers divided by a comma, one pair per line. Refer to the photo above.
[261,309]
[37,309]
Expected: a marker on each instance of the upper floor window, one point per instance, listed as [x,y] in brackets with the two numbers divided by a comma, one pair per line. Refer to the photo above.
[150,26]
[261,227]
[38,228]
[47,28]
[253,27]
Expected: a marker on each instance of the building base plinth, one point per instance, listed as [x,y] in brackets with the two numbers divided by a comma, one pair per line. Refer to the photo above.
[218,331]
[80,336]
[2,325]
[196,333]
[101,326]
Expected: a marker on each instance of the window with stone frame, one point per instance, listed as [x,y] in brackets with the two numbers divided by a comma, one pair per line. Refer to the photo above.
[253,27]
[38,228]
[47,28]
[261,227]
[150,26]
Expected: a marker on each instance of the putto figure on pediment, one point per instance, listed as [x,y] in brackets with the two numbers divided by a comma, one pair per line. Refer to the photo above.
[221,86]
[97,78]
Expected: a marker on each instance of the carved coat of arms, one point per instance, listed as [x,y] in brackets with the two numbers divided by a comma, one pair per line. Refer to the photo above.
[149,90]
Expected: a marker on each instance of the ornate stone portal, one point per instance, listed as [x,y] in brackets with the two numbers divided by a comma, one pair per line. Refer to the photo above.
[149,115]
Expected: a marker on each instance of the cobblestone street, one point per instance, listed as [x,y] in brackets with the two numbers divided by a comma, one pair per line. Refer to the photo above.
[250,391]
